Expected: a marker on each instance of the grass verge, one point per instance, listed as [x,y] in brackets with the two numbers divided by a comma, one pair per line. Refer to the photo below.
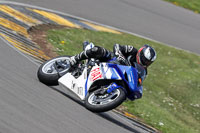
[171,99]
[188,4]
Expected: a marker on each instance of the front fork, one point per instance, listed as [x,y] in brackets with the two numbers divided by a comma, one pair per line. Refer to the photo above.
[108,89]
[112,87]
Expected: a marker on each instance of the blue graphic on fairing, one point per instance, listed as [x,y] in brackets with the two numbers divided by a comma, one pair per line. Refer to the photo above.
[86,86]
[128,74]
[131,73]
[115,75]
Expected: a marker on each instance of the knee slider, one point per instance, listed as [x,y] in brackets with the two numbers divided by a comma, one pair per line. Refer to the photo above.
[94,49]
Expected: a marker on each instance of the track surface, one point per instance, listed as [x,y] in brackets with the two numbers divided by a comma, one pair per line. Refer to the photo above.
[154,19]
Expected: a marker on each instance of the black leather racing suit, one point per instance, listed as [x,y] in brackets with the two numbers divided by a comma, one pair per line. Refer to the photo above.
[120,51]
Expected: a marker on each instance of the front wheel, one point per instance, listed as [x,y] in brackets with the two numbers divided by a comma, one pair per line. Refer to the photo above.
[50,71]
[101,103]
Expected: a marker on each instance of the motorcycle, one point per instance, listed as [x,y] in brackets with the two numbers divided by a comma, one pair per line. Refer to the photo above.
[101,85]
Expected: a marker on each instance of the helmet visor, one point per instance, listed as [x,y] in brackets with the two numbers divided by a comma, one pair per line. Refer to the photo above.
[144,60]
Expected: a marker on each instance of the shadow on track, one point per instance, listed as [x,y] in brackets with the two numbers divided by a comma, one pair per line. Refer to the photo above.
[103,114]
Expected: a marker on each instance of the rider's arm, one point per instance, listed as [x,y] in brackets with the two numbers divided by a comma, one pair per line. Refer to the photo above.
[126,50]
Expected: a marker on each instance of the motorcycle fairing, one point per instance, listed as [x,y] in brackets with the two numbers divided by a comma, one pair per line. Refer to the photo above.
[131,79]
[118,72]
[82,84]
[76,85]
[102,71]
[109,72]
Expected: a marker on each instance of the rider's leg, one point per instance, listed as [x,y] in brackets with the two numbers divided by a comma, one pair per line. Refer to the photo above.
[96,52]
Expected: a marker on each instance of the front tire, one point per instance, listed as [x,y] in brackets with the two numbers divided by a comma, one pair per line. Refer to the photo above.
[47,73]
[105,102]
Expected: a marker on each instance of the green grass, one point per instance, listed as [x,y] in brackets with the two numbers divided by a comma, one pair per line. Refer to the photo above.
[189,4]
[171,98]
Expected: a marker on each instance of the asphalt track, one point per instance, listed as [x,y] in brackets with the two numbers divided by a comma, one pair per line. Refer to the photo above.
[153,19]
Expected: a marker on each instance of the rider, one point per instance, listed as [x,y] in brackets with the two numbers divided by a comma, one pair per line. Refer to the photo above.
[144,56]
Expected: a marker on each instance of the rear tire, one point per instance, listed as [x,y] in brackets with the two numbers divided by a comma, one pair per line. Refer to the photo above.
[118,97]
[51,78]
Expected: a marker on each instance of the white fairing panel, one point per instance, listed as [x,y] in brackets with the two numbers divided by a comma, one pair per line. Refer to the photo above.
[76,85]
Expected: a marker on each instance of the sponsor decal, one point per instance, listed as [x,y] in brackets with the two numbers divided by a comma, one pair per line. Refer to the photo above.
[73,85]
[95,74]
[80,91]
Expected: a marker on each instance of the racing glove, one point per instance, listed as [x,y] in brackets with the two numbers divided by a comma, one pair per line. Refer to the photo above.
[120,57]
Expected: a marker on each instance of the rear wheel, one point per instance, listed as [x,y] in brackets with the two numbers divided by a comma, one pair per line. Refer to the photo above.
[50,71]
[98,102]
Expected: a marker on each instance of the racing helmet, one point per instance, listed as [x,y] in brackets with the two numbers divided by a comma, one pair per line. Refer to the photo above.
[145,56]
